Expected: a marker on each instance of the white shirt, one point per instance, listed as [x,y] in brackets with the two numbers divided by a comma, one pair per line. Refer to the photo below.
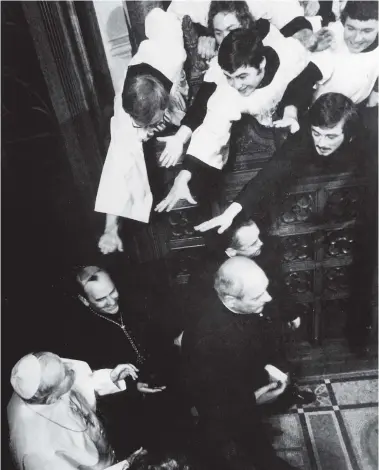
[345,72]
[209,141]
[124,187]
[38,443]
[278,12]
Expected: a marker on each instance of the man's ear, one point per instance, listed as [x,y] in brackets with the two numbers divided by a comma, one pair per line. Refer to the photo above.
[83,300]
[230,252]
[229,301]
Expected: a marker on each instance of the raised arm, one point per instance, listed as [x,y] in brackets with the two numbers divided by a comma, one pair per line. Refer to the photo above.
[192,120]
[299,93]
[265,189]
[207,147]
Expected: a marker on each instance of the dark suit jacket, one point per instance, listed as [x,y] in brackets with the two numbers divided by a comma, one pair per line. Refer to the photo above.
[296,159]
[224,355]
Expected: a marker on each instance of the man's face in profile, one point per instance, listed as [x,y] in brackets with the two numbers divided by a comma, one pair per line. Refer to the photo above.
[248,242]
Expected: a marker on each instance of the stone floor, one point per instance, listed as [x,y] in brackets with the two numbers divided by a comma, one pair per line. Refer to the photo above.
[337,432]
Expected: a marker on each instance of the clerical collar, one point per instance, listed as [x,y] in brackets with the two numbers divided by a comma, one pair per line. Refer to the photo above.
[372,47]
[241,315]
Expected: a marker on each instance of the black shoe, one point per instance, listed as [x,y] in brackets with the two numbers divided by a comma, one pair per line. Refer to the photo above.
[302,397]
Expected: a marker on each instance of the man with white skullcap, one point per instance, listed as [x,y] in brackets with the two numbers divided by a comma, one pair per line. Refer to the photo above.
[52,413]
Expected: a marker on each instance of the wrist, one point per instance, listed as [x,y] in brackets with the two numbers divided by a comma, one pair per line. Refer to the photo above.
[184,176]
[290,112]
[111,225]
[183,135]
[234,209]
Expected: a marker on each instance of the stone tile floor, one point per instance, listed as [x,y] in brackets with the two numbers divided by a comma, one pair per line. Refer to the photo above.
[337,432]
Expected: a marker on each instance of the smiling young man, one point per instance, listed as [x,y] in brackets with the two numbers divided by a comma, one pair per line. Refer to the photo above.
[349,67]
[254,68]
[328,141]
[224,17]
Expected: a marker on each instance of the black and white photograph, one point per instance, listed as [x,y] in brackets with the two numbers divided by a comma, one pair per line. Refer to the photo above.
[190,234]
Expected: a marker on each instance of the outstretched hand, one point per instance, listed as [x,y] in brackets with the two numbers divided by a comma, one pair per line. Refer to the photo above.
[224,221]
[172,152]
[206,47]
[324,39]
[291,123]
[122,371]
[179,190]
[110,242]
[145,388]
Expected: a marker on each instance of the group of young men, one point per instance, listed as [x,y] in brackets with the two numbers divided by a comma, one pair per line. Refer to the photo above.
[217,360]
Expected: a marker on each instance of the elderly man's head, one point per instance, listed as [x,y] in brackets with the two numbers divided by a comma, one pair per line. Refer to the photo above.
[242,286]
[97,290]
[243,240]
[42,378]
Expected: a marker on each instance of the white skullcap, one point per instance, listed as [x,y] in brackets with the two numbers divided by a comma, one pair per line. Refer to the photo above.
[26,376]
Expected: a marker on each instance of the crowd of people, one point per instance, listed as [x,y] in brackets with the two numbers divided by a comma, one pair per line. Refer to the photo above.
[150,380]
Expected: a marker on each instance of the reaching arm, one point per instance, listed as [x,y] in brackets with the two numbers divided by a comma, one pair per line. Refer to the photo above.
[267,187]
[192,120]
[208,145]
[198,110]
[297,25]
[299,92]
[108,381]
[270,183]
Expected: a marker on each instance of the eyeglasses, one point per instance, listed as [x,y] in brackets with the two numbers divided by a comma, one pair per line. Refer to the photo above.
[153,126]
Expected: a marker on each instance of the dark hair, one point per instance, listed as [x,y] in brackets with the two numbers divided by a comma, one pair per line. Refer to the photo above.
[241,48]
[232,233]
[240,9]
[362,10]
[142,97]
[329,109]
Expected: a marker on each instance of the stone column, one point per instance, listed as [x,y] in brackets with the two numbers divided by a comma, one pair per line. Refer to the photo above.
[68,74]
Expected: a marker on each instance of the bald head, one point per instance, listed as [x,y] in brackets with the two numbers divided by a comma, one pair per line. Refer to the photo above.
[242,285]
[244,240]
